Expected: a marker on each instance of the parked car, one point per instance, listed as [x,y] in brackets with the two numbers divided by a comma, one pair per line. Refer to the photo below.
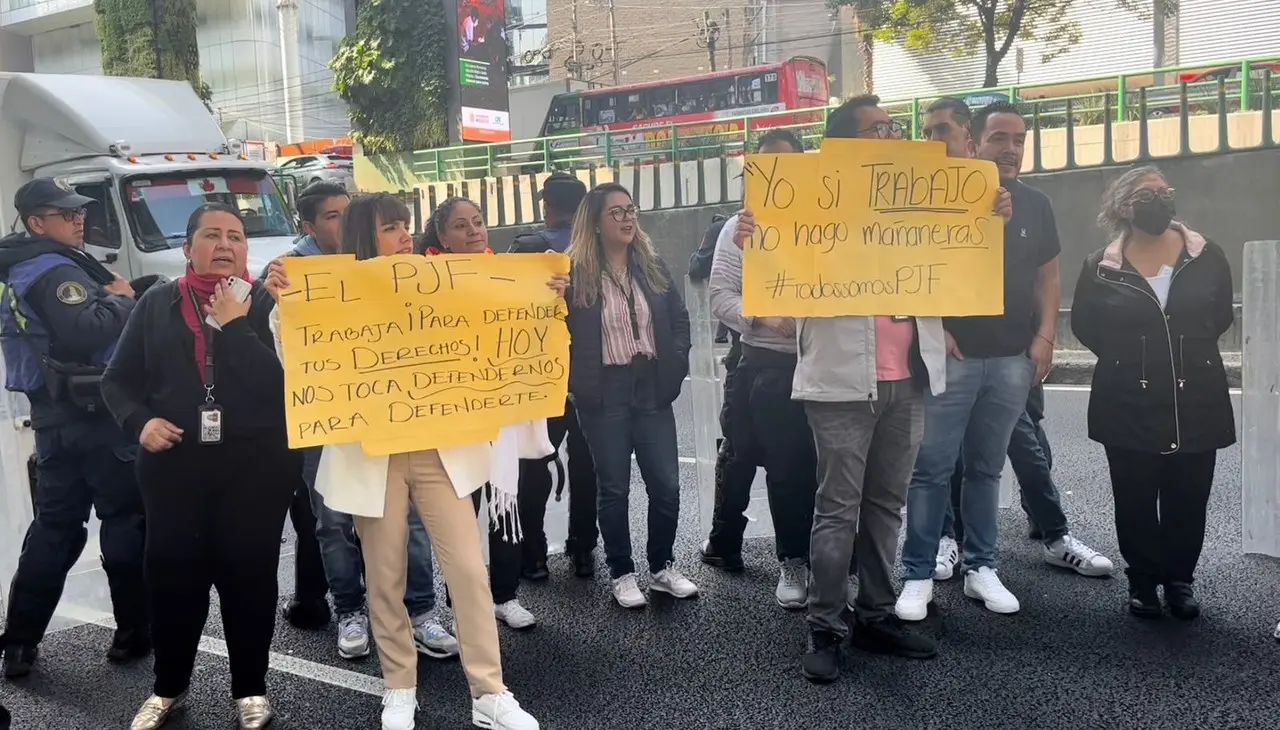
[308,169]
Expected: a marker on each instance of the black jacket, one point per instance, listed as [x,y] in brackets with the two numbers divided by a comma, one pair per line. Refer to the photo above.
[670,332]
[1159,385]
[154,373]
[701,259]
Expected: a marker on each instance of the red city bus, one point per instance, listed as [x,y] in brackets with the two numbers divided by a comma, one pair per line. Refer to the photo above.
[640,115]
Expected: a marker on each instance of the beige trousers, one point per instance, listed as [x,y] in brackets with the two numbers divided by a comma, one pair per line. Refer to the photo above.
[451,522]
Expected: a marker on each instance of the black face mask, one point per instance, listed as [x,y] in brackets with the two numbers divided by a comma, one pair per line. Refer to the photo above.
[1153,216]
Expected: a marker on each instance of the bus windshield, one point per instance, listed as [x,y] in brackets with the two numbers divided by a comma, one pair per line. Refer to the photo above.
[158,207]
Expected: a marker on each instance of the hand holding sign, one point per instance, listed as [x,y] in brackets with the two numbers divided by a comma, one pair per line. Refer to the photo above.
[403,353]
[873,227]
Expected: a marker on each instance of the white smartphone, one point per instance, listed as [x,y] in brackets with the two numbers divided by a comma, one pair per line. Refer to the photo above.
[240,288]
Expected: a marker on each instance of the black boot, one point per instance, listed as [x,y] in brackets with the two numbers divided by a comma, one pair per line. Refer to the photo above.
[584,564]
[1143,600]
[18,660]
[726,561]
[1181,599]
[129,645]
[821,662]
[535,569]
[4,718]
[308,614]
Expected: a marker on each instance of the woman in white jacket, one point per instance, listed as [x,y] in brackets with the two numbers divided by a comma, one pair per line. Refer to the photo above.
[377,491]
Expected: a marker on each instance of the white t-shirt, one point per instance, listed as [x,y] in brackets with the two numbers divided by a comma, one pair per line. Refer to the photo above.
[1160,284]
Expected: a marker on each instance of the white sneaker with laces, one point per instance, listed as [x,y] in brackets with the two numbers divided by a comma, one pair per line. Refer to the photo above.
[1068,552]
[627,593]
[398,709]
[913,602]
[514,615]
[948,556]
[431,638]
[500,712]
[353,635]
[793,584]
[984,585]
[669,580]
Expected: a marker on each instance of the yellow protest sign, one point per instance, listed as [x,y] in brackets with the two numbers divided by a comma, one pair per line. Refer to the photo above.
[403,353]
[872,227]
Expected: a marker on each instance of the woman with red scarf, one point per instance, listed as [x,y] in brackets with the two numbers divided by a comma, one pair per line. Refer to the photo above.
[196,379]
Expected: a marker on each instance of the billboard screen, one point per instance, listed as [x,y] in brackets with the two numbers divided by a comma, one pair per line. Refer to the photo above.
[482,70]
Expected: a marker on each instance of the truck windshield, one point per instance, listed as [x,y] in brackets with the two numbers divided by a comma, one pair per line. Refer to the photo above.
[159,206]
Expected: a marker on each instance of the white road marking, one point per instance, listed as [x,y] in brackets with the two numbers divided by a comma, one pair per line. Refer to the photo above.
[335,676]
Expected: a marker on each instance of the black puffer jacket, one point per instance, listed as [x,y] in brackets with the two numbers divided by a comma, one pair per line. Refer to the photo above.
[1159,385]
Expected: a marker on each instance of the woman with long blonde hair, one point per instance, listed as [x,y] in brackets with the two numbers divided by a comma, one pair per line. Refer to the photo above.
[628,360]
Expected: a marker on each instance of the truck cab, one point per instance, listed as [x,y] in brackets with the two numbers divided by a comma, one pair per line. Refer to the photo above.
[149,152]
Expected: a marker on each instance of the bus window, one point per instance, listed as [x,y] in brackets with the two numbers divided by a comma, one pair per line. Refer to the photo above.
[758,89]
[706,96]
[635,108]
[597,110]
[662,101]
[564,115]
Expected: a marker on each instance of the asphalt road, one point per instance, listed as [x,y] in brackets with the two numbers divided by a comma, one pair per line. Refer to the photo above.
[1071,659]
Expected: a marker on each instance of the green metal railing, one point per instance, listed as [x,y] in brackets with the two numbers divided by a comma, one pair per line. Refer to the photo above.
[1128,97]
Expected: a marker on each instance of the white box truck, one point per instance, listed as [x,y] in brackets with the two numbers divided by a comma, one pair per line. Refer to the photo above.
[150,152]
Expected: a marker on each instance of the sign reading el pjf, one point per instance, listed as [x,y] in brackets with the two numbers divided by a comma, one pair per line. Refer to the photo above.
[403,353]
[873,227]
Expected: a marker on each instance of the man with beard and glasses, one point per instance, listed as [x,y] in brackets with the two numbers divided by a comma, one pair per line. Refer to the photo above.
[992,363]
[949,121]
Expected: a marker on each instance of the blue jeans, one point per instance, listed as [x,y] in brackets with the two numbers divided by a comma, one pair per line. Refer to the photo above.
[983,400]
[1032,460]
[626,421]
[344,563]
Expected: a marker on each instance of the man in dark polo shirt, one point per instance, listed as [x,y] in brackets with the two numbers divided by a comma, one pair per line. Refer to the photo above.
[991,366]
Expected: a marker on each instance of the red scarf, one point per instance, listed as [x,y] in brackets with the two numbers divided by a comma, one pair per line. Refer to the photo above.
[202,286]
[433,251]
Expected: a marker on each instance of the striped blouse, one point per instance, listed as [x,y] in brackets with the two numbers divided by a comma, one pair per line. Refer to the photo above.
[626,322]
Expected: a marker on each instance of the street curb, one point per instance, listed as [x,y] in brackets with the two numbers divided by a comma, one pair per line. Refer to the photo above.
[1075,367]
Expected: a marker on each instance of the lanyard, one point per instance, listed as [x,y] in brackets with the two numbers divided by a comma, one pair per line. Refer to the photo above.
[628,293]
[207,369]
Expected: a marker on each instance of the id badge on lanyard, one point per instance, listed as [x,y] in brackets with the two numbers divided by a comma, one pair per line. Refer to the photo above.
[210,412]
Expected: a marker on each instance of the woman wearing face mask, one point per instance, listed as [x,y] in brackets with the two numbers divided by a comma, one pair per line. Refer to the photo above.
[628,360]
[377,491]
[196,379]
[1151,306]
[457,227]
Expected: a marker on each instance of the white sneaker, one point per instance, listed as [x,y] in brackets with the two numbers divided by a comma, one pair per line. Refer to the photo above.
[500,712]
[1069,552]
[431,638]
[398,709]
[514,615]
[353,636]
[627,593]
[669,580]
[948,556]
[984,585]
[913,602]
[793,584]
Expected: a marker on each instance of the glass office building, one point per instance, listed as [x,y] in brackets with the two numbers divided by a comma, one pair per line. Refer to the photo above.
[240,57]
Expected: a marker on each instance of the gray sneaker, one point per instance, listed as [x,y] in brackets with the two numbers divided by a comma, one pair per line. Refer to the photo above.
[431,638]
[793,584]
[353,635]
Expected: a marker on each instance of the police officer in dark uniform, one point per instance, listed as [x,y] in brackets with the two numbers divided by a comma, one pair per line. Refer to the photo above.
[61,313]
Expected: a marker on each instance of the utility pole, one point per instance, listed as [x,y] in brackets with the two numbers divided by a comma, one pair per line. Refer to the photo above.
[728,37]
[576,70]
[613,46]
[1157,37]
[291,65]
[708,35]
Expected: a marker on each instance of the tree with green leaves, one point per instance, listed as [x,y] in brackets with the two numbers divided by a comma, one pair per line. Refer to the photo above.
[391,73]
[965,27]
[152,39]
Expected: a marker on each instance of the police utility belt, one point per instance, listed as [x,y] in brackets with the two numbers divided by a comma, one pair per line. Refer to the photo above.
[77,385]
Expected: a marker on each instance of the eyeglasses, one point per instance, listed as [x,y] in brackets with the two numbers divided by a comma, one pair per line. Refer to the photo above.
[884,130]
[68,215]
[1147,195]
[620,213]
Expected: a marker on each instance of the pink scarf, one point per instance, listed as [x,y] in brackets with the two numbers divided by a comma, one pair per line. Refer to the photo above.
[202,286]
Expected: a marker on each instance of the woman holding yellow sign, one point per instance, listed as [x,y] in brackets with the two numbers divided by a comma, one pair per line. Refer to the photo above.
[377,491]
[627,362]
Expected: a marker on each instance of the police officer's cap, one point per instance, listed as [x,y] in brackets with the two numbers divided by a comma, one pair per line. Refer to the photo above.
[563,190]
[45,192]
